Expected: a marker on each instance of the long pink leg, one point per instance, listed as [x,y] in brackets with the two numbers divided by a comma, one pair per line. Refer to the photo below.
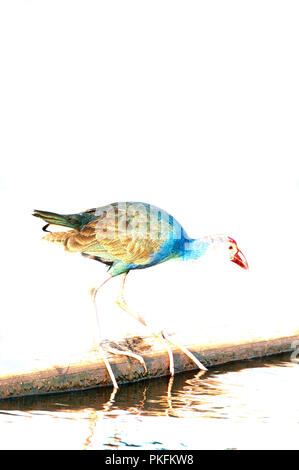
[163,336]
[123,305]
[93,292]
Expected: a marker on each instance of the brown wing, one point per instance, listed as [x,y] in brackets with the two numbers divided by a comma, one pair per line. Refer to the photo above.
[123,235]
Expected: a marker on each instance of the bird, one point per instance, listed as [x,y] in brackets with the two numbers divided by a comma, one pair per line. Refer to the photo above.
[129,236]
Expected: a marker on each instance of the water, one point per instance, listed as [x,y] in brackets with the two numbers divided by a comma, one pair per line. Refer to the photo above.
[240,405]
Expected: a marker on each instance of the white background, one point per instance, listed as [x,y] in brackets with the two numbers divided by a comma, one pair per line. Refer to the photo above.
[191,106]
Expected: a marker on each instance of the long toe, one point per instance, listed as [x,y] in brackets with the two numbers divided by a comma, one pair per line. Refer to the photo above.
[108,367]
[126,353]
[184,350]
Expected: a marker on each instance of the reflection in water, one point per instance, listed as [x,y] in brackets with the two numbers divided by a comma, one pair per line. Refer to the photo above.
[144,415]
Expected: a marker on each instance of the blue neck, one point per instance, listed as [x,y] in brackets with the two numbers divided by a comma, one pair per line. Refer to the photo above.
[195,248]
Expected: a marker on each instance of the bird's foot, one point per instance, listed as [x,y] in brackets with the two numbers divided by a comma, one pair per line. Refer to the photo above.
[186,351]
[108,366]
[128,353]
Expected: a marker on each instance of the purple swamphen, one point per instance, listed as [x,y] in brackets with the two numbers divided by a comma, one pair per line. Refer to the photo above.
[134,235]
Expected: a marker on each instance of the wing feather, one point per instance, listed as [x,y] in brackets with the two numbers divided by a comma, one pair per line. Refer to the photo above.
[117,235]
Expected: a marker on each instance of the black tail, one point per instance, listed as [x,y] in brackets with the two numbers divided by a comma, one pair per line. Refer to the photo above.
[57,219]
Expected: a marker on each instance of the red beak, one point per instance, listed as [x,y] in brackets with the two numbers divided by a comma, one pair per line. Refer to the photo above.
[240,259]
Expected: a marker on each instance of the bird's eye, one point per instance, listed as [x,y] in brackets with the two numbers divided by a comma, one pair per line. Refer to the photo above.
[230,247]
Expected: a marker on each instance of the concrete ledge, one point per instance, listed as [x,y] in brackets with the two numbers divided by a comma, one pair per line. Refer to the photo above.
[80,373]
